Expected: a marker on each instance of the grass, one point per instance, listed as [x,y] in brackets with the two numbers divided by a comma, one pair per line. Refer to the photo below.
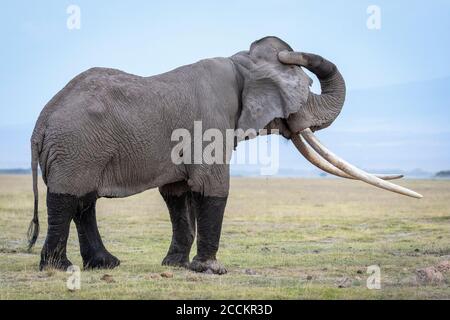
[281,239]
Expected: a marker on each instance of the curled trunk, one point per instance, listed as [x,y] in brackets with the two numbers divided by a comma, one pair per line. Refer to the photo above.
[320,109]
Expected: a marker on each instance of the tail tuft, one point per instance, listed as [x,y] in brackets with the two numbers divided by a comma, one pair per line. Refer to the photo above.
[33,233]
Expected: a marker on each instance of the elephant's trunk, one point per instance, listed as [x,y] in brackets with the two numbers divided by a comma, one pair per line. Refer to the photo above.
[325,107]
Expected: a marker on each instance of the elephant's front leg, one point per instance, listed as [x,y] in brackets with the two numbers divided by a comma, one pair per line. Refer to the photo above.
[178,200]
[92,250]
[209,211]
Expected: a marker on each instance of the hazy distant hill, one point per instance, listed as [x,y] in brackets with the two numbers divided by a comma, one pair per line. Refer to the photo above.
[406,107]
[316,173]
[15,171]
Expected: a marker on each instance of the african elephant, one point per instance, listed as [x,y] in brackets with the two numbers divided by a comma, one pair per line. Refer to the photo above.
[108,133]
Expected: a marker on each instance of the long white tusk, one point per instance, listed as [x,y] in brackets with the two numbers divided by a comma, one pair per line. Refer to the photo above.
[319,162]
[352,170]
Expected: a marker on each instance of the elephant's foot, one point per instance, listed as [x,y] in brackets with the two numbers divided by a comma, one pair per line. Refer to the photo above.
[61,263]
[176,260]
[101,260]
[207,266]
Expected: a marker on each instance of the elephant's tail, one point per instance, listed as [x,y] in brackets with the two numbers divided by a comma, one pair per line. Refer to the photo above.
[33,229]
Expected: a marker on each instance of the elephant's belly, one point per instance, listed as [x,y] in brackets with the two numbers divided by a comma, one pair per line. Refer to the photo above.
[124,180]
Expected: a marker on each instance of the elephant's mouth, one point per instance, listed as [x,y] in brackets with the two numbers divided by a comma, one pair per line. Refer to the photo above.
[316,153]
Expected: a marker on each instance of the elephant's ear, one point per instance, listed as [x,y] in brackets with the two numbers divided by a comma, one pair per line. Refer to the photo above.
[271,90]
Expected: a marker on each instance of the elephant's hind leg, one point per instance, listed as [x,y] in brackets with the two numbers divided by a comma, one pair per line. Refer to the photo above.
[61,209]
[178,200]
[92,250]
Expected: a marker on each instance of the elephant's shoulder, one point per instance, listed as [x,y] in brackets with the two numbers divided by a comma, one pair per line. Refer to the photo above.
[215,66]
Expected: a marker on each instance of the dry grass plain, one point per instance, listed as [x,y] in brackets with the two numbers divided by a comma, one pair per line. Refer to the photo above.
[281,239]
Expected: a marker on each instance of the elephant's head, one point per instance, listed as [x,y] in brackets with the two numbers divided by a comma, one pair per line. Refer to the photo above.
[276,95]
[276,89]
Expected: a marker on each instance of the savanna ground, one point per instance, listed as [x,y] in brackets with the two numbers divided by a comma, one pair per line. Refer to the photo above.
[281,239]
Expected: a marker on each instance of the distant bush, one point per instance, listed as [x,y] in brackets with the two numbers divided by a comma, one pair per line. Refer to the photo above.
[443,174]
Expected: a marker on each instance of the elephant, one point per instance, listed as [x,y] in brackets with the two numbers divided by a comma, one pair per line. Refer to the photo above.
[108,134]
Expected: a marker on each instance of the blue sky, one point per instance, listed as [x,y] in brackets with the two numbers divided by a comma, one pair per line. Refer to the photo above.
[40,55]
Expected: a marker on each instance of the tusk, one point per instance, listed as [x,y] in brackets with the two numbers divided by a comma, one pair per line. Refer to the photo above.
[352,170]
[319,162]
[315,159]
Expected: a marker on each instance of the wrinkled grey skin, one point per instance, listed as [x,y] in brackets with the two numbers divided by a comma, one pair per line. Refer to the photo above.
[108,134]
